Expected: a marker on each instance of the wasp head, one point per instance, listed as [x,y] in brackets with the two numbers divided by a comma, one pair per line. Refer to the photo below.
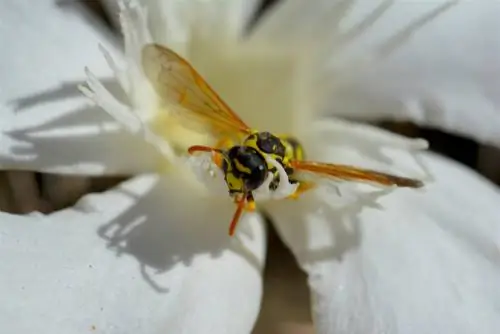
[245,169]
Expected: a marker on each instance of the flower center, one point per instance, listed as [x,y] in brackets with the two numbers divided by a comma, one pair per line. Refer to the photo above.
[166,125]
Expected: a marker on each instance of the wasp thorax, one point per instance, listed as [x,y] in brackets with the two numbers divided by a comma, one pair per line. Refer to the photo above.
[278,149]
[245,169]
[269,144]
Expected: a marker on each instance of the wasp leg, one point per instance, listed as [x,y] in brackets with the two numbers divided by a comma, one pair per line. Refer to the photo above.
[250,204]
[240,205]
[302,188]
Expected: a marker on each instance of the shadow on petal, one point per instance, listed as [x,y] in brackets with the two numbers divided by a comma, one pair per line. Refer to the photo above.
[77,139]
[100,151]
[314,215]
[169,226]
[67,89]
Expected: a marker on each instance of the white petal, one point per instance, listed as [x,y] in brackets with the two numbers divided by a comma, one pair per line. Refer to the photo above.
[423,263]
[173,22]
[46,123]
[168,21]
[112,10]
[435,68]
[365,146]
[145,257]
[226,19]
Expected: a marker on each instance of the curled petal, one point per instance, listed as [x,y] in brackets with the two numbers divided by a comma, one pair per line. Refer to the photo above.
[285,188]
[425,76]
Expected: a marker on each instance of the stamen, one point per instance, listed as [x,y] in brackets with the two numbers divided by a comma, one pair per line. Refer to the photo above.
[104,99]
[285,188]
[133,18]
[96,92]
[263,191]
[119,74]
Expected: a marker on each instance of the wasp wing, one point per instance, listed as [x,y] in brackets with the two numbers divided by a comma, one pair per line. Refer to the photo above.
[349,173]
[175,80]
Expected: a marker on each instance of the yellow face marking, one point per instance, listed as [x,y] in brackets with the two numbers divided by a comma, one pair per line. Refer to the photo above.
[233,183]
[241,168]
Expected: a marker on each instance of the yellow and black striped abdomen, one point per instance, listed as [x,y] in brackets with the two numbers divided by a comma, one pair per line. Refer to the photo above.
[293,148]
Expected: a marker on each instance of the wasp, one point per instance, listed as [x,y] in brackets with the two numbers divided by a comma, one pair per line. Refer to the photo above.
[242,153]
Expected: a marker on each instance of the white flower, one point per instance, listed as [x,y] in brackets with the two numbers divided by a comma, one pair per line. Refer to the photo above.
[407,262]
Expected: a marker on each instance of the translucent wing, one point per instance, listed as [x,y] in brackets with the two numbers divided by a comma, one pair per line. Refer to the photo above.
[175,80]
[349,173]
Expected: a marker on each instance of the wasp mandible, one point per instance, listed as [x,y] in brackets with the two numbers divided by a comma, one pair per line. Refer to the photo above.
[242,153]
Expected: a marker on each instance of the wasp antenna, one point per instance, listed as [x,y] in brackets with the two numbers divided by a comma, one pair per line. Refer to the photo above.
[237,214]
[201,148]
